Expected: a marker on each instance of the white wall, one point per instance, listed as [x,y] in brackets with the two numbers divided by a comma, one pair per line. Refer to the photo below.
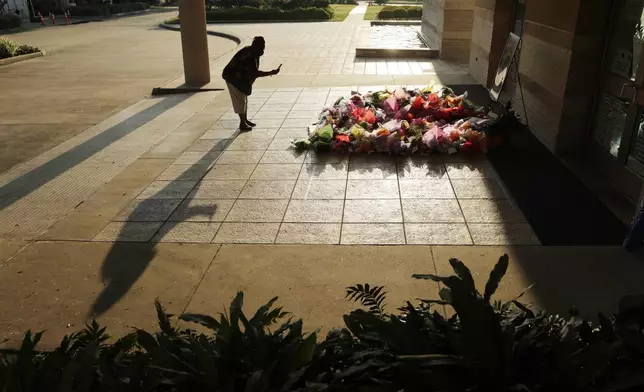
[20,5]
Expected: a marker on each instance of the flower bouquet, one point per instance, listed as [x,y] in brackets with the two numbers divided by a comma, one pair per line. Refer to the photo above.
[400,122]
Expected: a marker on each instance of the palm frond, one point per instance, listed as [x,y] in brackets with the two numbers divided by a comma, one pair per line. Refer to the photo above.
[371,297]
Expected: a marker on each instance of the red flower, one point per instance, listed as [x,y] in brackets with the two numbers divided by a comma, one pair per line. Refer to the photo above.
[364,115]
[470,148]
[433,100]
[342,138]
[418,102]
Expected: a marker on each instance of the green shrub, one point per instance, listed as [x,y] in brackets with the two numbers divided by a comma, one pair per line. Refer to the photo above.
[321,3]
[45,7]
[252,14]
[311,13]
[385,14]
[250,3]
[238,3]
[25,49]
[128,7]
[484,346]
[400,13]
[414,12]
[7,48]
[10,21]
[381,2]
[240,352]
[293,4]
[90,10]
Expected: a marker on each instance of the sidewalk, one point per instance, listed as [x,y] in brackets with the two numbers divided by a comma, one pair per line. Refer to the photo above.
[91,72]
[155,201]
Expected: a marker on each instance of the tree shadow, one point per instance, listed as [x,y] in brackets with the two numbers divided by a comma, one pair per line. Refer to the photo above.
[126,262]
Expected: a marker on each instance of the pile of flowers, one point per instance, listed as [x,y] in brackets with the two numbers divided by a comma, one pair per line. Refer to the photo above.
[400,122]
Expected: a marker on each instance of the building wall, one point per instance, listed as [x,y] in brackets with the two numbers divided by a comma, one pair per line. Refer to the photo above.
[20,5]
[458,19]
[432,22]
[559,62]
[490,29]
[584,75]
[447,26]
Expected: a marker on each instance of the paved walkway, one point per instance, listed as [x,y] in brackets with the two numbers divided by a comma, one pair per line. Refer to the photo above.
[152,201]
[92,71]
[323,55]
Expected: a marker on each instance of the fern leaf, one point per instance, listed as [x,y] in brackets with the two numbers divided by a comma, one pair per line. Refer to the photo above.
[371,297]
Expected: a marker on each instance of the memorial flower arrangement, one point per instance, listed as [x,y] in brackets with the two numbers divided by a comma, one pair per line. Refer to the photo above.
[400,122]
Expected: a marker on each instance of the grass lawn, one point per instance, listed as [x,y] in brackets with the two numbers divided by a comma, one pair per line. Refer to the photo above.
[341,11]
[372,11]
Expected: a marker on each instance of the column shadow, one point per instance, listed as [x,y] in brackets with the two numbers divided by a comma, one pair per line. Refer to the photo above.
[41,175]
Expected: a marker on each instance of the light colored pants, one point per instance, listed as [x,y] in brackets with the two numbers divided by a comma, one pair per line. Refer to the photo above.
[240,100]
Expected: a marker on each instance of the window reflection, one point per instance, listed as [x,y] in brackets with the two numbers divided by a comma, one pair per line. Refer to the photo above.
[636,156]
[627,36]
[610,119]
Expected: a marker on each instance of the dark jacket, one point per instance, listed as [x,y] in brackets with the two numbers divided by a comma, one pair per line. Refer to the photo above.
[242,70]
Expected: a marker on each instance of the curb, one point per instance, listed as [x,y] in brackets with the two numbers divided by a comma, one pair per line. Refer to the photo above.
[107,17]
[24,57]
[407,53]
[231,37]
[131,13]
[399,22]
[268,21]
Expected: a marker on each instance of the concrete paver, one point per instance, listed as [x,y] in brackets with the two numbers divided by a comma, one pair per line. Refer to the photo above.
[303,278]
[9,248]
[38,198]
[59,286]
[428,196]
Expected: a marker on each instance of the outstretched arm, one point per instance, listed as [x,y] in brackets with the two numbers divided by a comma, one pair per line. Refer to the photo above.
[261,74]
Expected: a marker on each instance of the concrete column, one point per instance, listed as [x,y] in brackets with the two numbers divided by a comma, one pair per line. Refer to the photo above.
[447,26]
[490,29]
[194,42]
[560,67]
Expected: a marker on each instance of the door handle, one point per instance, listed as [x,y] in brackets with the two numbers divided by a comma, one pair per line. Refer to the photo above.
[628,84]
[632,85]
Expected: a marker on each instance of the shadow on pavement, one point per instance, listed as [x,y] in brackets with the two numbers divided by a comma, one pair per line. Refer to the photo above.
[125,263]
[592,279]
[558,206]
[41,175]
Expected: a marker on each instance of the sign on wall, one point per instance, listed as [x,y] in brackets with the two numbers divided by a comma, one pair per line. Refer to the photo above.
[507,57]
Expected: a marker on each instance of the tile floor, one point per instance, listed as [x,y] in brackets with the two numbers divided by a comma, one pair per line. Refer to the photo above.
[253,187]
[328,49]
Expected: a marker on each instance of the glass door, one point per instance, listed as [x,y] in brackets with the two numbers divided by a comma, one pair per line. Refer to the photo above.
[519,17]
[618,125]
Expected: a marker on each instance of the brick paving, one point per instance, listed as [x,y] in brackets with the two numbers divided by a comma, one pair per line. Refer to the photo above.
[253,187]
[328,49]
